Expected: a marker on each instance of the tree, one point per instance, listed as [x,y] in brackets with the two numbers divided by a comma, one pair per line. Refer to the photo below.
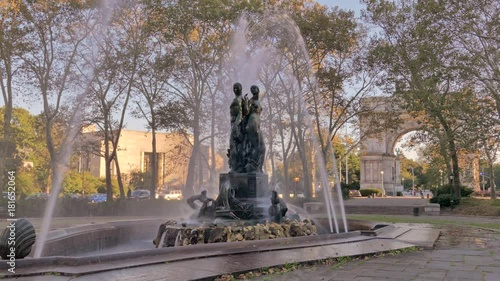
[420,63]
[57,32]
[476,29]
[199,32]
[12,45]
[485,121]
[152,82]
[30,155]
[119,43]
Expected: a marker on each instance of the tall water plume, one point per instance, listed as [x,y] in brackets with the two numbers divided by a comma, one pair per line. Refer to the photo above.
[271,44]
[75,123]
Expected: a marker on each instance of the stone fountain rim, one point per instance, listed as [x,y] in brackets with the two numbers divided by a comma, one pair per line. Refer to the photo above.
[70,266]
[200,251]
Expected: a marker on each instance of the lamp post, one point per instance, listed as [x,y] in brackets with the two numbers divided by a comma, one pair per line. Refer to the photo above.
[482,182]
[383,189]
[441,177]
[346,170]
[296,180]
[412,179]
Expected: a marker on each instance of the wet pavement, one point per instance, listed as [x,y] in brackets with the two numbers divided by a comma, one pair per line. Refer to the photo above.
[461,253]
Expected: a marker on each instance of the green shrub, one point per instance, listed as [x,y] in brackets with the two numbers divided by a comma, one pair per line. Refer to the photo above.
[370,191]
[448,189]
[345,193]
[465,191]
[446,200]
[399,193]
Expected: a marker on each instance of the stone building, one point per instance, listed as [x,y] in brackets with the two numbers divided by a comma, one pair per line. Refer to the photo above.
[134,155]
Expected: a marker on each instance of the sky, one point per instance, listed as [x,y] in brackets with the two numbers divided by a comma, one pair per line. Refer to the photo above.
[354,5]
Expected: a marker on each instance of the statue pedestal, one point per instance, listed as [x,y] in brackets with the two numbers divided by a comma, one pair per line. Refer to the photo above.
[242,196]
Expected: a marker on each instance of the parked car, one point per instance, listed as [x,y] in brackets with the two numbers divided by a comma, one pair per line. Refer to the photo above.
[98,198]
[37,196]
[173,195]
[73,196]
[140,194]
[354,193]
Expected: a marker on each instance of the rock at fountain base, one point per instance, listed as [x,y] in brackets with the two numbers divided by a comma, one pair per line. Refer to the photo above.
[177,235]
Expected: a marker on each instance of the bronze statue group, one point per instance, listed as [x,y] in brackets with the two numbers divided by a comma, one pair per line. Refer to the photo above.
[246,156]
[246,145]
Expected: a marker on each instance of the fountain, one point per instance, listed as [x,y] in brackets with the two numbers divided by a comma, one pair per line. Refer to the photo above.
[245,203]
[244,192]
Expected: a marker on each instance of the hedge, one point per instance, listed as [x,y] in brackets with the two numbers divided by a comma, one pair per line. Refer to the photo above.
[448,189]
[370,191]
[446,200]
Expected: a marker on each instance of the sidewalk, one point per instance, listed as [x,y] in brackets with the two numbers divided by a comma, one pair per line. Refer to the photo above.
[461,254]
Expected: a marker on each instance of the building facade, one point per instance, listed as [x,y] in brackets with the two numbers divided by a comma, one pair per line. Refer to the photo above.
[134,156]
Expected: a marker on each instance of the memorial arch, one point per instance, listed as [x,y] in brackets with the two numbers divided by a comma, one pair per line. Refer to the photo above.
[380,166]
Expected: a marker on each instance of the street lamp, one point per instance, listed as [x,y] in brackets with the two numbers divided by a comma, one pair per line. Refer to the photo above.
[296,179]
[383,190]
[412,179]
[482,182]
[441,177]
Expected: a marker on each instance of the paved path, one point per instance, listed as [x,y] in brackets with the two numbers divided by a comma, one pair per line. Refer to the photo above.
[461,253]
[387,201]
[427,219]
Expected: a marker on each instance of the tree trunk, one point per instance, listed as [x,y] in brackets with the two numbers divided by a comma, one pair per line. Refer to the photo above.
[190,178]
[200,171]
[154,162]
[305,165]
[299,136]
[213,166]
[6,161]
[107,163]
[456,169]
[286,185]
[119,178]
[191,175]
[53,175]
[492,180]
[51,149]
[455,181]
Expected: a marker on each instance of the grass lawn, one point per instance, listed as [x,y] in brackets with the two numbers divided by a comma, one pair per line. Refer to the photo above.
[478,207]
[446,220]
[469,212]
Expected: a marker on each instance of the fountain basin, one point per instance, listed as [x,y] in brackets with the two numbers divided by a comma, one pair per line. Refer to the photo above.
[304,248]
